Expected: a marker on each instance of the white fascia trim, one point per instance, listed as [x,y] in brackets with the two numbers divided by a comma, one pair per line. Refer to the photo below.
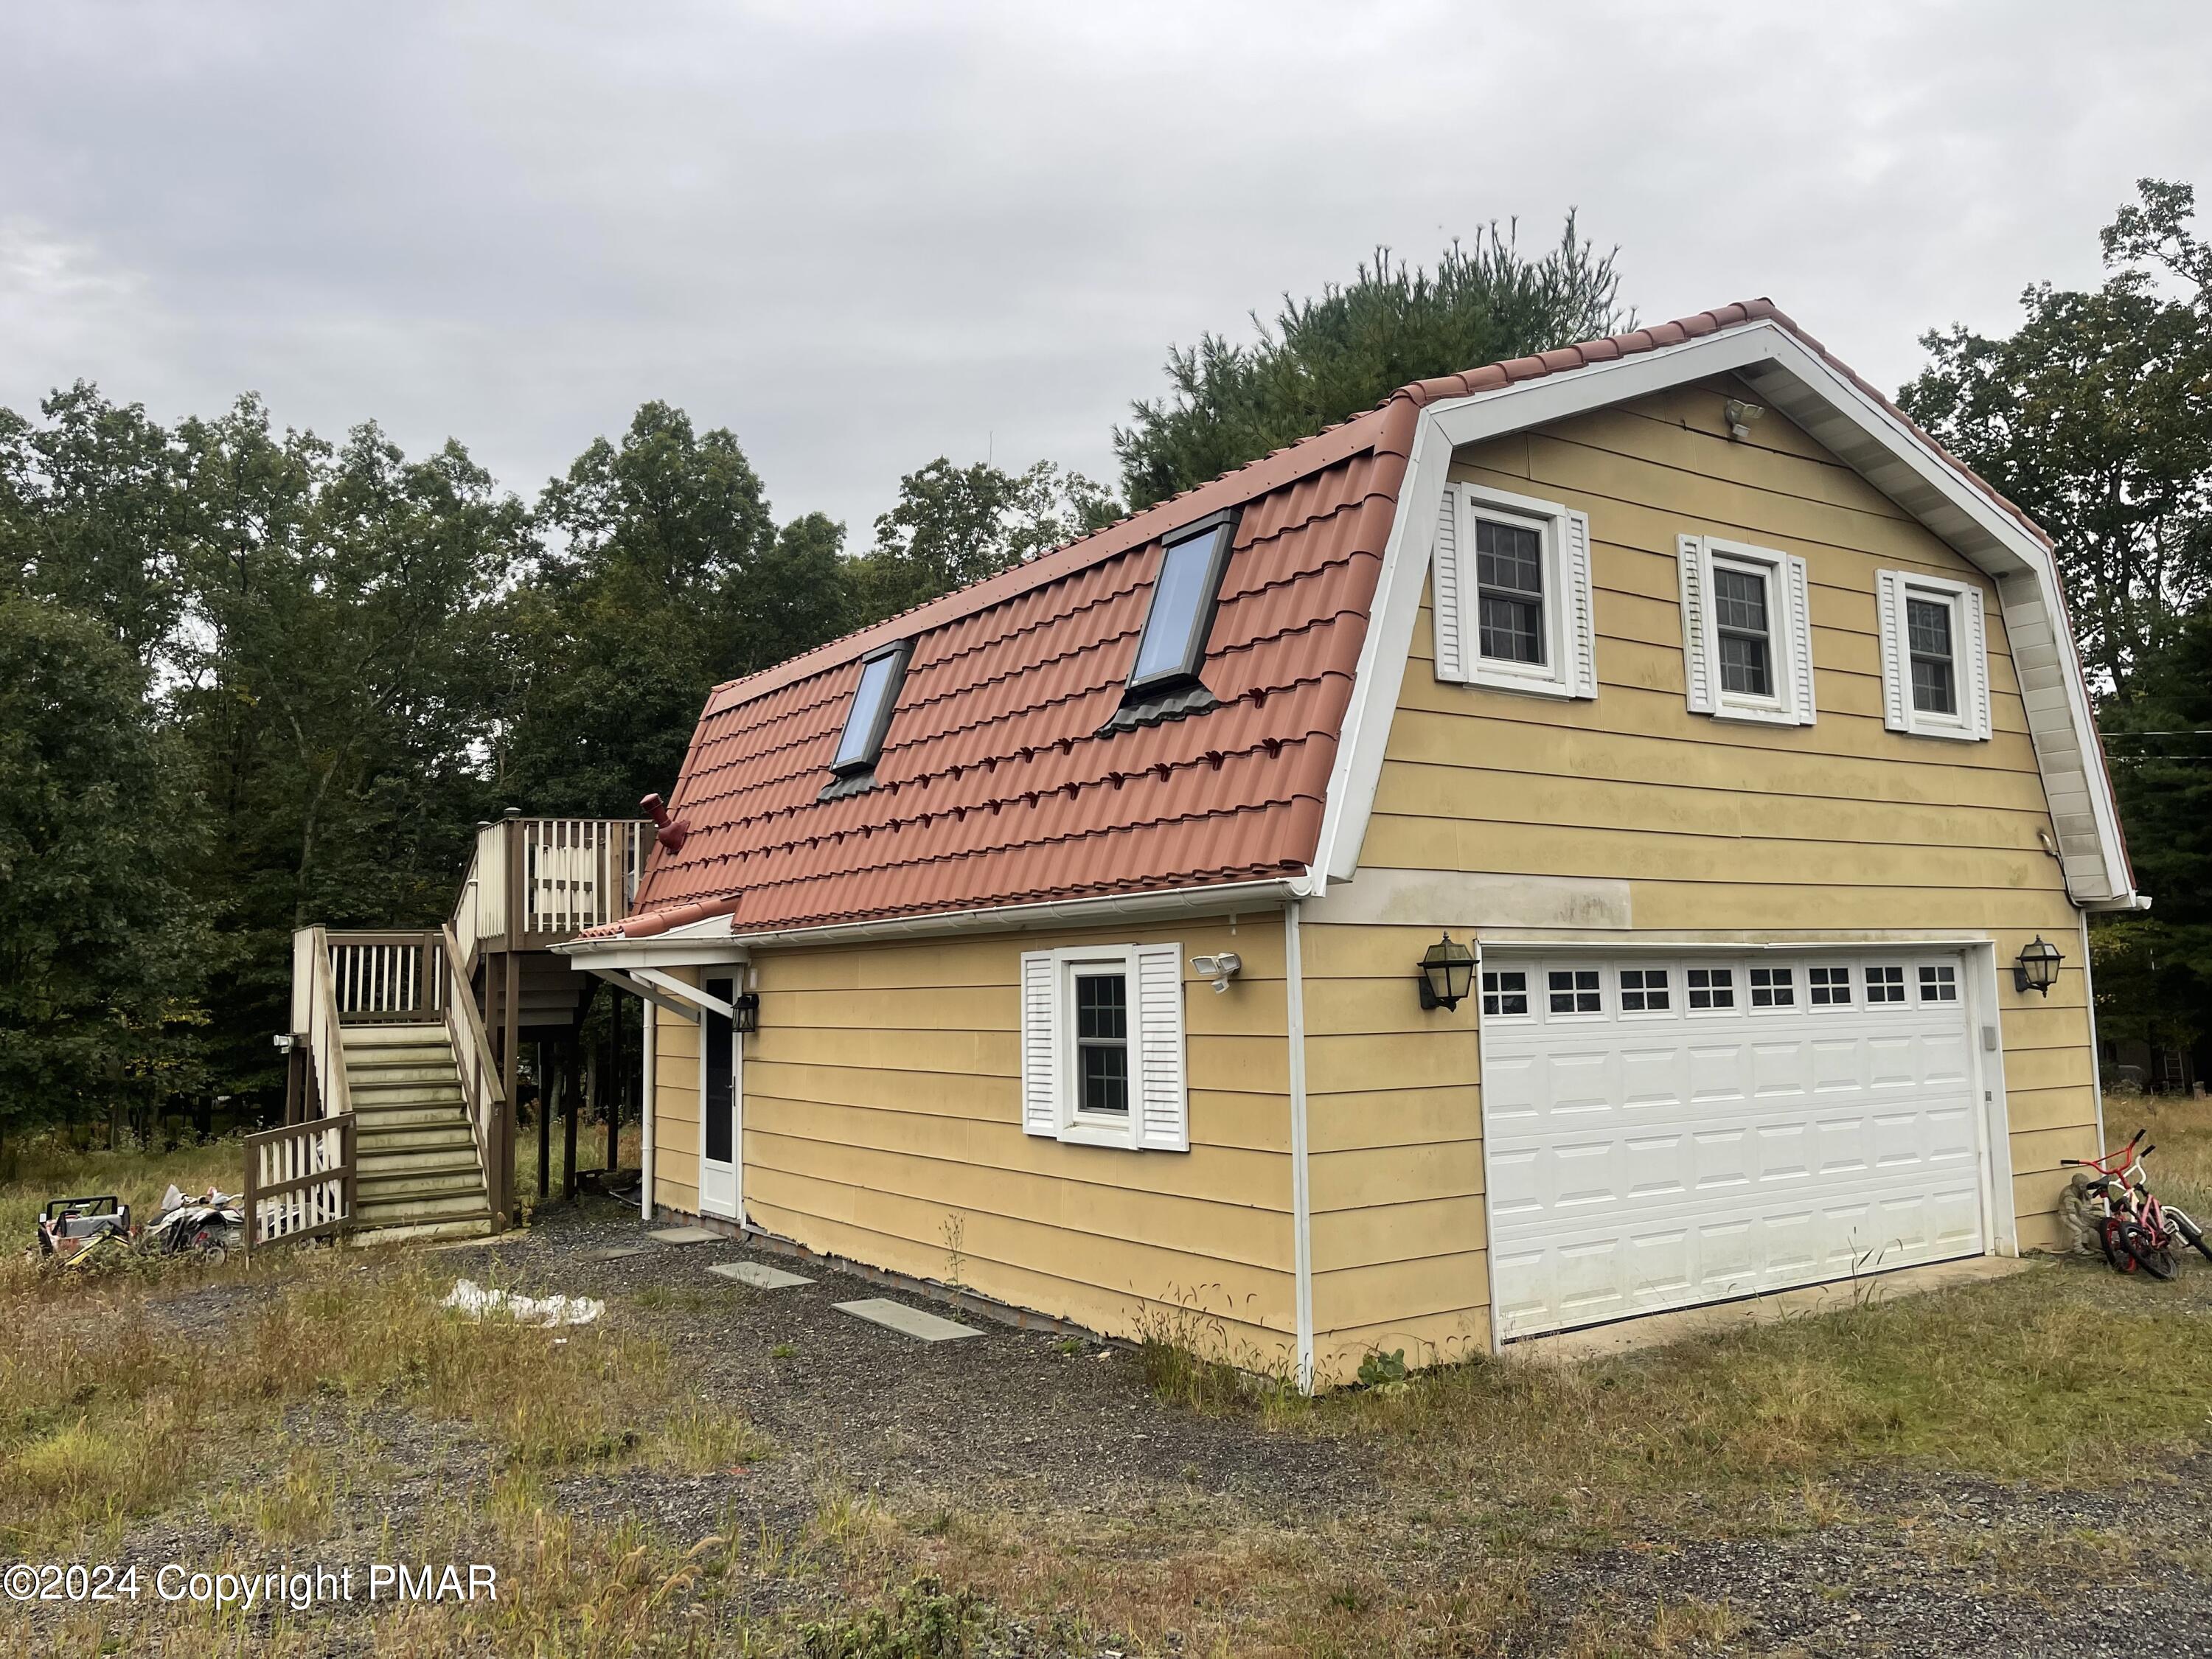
[1074,912]
[1443,427]
[662,950]
[673,949]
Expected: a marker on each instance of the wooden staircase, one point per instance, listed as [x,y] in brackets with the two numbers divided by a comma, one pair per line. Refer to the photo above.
[418,1174]
[400,1107]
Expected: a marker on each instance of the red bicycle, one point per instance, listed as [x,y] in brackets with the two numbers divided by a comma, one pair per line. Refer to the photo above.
[2136,1229]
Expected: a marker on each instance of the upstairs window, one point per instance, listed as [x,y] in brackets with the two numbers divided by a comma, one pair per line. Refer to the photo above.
[1172,648]
[1747,632]
[1508,563]
[853,767]
[1512,596]
[1935,656]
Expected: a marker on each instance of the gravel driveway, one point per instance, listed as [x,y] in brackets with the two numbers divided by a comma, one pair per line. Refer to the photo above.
[1030,1422]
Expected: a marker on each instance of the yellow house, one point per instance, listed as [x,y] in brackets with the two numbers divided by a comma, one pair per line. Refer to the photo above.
[1595,835]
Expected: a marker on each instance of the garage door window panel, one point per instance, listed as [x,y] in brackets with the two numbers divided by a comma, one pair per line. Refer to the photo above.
[1646,991]
[1711,990]
[1939,982]
[1505,993]
[1773,988]
[1573,991]
[1828,987]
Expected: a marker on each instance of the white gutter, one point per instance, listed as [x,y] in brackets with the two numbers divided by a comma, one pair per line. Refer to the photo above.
[1294,981]
[1004,918]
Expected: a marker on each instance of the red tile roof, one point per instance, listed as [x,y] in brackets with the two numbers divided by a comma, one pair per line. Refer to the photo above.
[994,786]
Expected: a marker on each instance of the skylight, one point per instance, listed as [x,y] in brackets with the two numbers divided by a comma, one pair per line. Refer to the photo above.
[881,672]
[1173,645]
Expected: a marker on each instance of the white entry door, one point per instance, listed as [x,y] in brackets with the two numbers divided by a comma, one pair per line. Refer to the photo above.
[1662,1132]
[722,1108]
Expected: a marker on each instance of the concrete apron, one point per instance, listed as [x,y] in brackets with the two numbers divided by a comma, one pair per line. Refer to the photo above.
[1657,1330]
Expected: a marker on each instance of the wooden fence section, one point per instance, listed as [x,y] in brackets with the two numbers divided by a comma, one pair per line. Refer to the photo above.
[300,1182]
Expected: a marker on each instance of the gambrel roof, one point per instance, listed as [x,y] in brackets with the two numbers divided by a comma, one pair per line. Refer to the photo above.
[998,787]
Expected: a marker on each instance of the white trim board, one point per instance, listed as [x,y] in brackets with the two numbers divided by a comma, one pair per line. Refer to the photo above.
[1792,377]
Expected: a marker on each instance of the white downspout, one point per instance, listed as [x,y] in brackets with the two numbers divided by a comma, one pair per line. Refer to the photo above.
[1294,994]
[2096,1058]
[647,1046]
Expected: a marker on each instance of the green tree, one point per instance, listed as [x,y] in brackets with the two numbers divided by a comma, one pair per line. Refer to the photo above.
[89,506]
[1328,358]
[956,524]
[664,574]
[2154,972]
[2096,417]
[326,693]
[101,947]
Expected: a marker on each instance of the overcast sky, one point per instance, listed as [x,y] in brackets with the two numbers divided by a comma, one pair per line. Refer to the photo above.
[863,235]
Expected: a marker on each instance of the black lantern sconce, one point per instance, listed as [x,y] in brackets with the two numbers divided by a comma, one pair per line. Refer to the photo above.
[744,1011]
[1446,974]
[2036,968]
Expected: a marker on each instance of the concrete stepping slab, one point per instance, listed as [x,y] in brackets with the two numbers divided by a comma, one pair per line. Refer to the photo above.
[906,1321]
[621,1252]
[759,1275]
[684,1236]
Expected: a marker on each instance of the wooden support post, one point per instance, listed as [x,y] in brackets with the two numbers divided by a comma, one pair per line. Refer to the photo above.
[613,1090]
[545,1126]
[510,1063]
[571,1100]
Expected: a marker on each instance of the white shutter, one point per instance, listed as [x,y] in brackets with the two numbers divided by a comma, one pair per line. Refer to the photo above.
[1696,572]
[1581,610]
[1040,1044]
[1889,599]
[1975,662]
[1448,592]
[1800,640]
[1163,1100]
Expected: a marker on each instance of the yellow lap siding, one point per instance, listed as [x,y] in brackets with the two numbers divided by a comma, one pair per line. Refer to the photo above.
[882,1113]
[1675,824]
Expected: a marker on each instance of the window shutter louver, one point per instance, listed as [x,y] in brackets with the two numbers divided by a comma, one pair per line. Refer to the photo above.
[1582,621]
[1040,1044]
[1800,640]
[1896,710]
[1163,1101]
[1448,592]
[1696,655]
[1977,664]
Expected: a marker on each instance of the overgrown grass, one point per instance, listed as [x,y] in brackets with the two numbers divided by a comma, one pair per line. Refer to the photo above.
[108,1416]
[48,1167]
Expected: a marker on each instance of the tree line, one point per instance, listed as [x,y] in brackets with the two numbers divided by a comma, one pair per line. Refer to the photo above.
[251,679]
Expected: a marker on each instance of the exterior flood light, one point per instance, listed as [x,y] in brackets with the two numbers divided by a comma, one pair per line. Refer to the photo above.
[1446,974]
[2037,969]
[1220,969]
[744,1011]
[1741,415]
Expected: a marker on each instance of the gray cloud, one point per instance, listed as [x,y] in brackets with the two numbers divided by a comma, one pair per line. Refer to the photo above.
[864,235]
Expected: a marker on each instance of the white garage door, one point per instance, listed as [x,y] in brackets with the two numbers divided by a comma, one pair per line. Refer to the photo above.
[1662,1132]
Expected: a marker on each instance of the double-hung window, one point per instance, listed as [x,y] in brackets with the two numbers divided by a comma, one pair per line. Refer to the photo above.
[1512,594]
[1103,1046]
[1747,632]
[1935,656]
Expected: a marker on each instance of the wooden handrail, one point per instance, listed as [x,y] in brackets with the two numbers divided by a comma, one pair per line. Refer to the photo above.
[480,1089]
[325,1044]
[300,1182]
